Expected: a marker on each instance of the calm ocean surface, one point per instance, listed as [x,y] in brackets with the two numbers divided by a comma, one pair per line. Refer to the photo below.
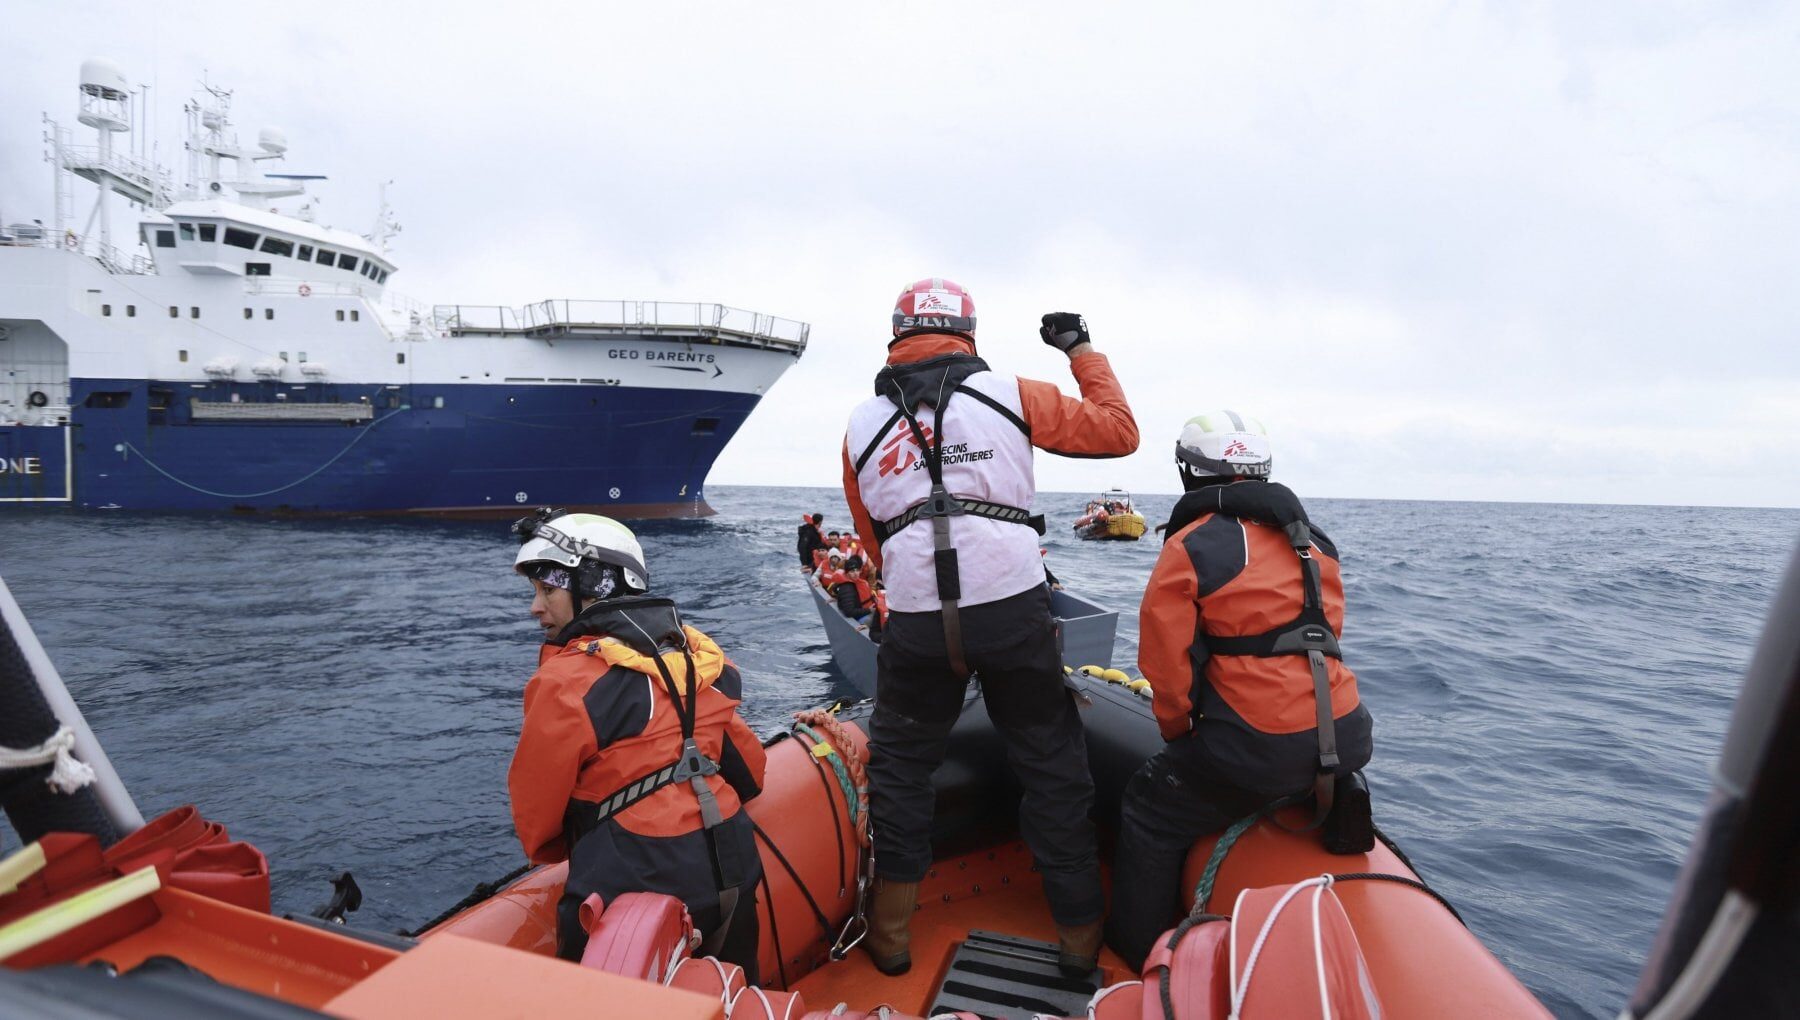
[1550,685]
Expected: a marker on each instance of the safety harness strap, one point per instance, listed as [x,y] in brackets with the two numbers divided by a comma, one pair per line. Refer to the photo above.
[885,530]
[695,767]
[942,507]
[1308,634]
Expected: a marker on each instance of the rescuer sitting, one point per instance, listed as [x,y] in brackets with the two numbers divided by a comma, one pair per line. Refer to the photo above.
[938,473]
[1239,631]
[624,691]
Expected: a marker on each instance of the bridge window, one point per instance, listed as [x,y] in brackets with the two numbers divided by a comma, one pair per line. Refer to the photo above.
[326,257]
[302,357]
[209,232]
[240,238]
[256,269]
[165,238]
[187,231]
[106,309]
[131,311]
[355,316]
[347,262]
[249,313]
[340,315]
[277,246]
[400,359]
[194,312]
[305,253]
[268,313]
[182,355]
[383,277]
[174,311]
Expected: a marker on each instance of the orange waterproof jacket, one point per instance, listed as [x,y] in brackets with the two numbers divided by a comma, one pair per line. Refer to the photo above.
[1098,423]
[1222,576]
[598,717]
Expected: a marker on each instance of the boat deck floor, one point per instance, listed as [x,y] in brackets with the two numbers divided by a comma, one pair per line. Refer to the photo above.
[991,890]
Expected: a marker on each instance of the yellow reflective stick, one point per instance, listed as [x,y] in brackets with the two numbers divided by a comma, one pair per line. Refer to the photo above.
[19,866]
[41,926]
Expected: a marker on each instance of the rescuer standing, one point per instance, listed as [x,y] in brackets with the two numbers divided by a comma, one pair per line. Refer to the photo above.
[938,472]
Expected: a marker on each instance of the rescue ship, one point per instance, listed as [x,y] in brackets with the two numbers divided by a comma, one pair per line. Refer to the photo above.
[102,915]
[239,355]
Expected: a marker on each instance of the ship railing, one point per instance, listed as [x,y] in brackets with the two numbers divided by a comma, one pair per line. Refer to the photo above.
[673,318]
[150,181]
[109,257]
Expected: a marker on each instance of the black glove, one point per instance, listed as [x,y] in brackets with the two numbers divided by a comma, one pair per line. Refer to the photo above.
[1064,330]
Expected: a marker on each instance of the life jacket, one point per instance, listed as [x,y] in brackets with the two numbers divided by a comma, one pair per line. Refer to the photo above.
[853,595]
[1242,593]
[918,460]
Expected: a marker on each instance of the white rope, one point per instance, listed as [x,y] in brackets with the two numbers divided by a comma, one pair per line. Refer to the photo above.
[1241,989]
[67,775]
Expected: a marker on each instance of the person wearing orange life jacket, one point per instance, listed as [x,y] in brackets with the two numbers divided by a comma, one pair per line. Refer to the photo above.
[633,763]
[938,475]
[1238,636]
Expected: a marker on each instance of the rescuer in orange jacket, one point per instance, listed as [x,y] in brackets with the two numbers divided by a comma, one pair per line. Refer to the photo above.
[1238,637]
[625,692]
[938,472]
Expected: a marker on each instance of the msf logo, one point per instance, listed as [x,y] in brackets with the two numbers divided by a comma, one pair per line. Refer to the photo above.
[903,442]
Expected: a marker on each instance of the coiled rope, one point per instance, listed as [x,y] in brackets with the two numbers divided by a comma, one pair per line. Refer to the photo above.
[836,747]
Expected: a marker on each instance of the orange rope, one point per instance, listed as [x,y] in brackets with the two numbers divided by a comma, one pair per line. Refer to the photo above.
[846,749]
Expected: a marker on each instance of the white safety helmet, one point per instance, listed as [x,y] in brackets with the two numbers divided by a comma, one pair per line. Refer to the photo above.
[1223,444]
[600,557]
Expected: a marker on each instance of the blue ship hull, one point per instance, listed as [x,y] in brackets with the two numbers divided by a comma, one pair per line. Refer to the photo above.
[442,449]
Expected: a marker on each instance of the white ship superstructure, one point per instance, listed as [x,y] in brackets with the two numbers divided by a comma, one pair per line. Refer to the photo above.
[237,354]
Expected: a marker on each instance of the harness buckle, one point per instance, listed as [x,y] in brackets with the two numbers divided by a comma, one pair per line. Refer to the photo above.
[940,504]
[693,763]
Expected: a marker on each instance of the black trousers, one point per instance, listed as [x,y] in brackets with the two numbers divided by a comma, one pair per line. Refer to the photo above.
[1011,645]
[611,861]
[1168,804]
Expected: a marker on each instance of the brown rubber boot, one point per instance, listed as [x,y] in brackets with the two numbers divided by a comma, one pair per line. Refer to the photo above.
[890,925]
[1080,947]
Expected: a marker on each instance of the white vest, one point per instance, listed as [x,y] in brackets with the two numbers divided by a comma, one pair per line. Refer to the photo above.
[986,456]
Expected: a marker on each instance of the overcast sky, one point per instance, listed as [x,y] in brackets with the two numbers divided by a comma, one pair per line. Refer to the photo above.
[1464,251]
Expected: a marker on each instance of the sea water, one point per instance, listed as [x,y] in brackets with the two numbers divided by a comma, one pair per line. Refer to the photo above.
[1550,685]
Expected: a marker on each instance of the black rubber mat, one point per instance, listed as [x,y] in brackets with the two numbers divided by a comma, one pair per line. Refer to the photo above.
[1004,976]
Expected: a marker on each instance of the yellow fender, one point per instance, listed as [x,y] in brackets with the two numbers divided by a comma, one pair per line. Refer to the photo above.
[1094,671]
[1116,676]
[1141,686]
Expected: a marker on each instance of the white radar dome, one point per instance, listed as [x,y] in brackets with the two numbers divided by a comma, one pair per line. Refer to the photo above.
[273,140]
[103,78]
